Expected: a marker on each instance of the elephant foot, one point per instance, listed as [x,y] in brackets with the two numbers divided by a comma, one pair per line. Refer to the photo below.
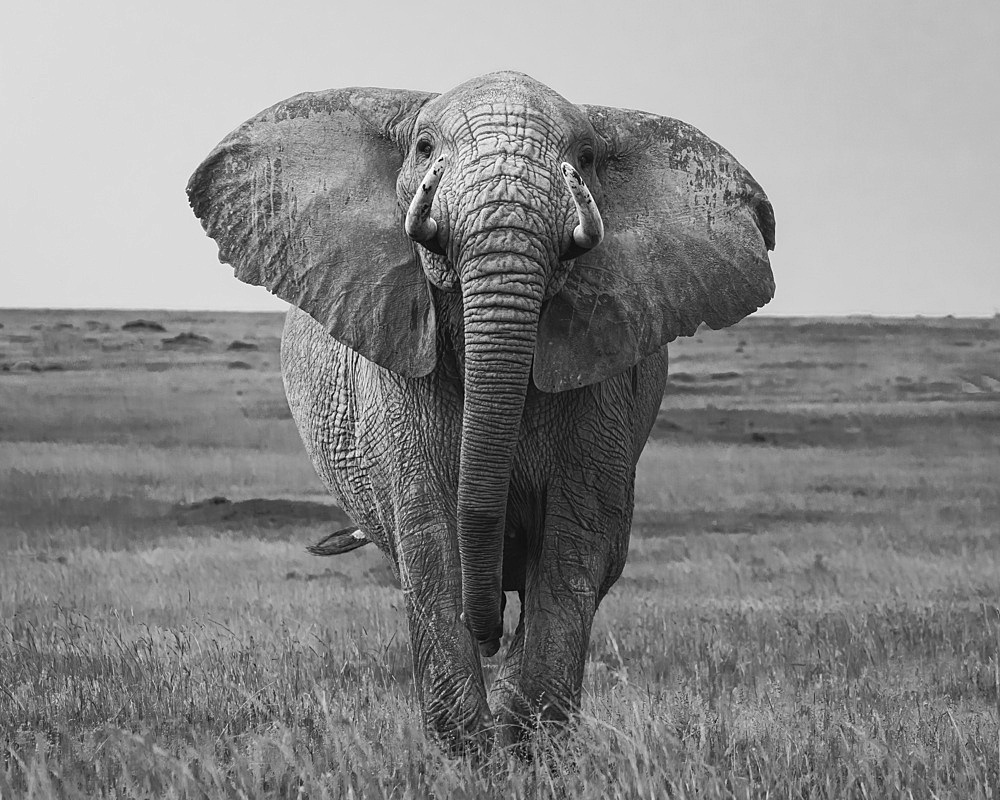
[512,725]
[463,732]
[515,725]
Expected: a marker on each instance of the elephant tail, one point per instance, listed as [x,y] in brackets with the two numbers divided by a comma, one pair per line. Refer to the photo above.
[339,542]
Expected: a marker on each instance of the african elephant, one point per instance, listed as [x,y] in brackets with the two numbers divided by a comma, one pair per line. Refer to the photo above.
[483,285]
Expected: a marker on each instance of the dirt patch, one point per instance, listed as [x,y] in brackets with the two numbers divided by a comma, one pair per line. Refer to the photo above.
[295,575]
[220,512]
[268,409]
[754,427]
[950,429]
[679,523]
[727,382]
[797,364]
[380,575]
[853,491]
[241,345]
[22,366]
[32,366]
[77,514]
[929,388]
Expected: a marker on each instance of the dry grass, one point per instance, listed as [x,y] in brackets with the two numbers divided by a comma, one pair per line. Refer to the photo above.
[811,612]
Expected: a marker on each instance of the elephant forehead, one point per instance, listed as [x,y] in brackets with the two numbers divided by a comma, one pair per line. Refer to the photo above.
[512,96]
[506,129]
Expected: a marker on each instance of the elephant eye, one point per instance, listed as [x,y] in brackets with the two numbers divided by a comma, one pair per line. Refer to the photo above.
[586,158]
[425,147]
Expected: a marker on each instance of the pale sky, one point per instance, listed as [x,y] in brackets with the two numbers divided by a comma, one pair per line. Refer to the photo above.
[874,127]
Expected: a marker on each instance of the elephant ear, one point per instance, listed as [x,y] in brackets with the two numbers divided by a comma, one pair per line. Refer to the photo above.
[302,199]
[687,230]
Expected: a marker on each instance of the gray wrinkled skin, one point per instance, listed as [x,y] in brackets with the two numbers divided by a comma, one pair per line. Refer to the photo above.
[387,448]
[477,403]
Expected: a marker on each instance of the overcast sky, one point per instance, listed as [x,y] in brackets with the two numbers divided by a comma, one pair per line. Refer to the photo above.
[874,127]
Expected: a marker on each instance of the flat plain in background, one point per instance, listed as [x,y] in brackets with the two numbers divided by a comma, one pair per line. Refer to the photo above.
[810,604]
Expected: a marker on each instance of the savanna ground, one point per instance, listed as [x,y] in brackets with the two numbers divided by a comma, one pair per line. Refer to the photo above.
[811,606]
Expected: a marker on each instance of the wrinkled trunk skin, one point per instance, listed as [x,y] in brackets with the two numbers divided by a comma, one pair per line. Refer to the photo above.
[502,296]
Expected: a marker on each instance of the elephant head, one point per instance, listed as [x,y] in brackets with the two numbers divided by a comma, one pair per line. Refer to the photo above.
[579,239]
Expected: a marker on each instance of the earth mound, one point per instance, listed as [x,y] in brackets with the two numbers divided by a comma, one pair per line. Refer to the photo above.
[139,325]
[186,340]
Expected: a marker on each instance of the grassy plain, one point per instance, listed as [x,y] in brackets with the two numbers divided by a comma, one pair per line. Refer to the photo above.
[811,606]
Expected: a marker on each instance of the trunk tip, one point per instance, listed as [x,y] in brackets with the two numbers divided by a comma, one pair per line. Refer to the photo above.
[488,645]
[489,648]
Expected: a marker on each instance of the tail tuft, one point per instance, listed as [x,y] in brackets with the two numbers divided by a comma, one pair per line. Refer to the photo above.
[342,541]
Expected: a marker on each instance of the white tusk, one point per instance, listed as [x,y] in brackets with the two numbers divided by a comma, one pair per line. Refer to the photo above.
[420,225]
[589,233]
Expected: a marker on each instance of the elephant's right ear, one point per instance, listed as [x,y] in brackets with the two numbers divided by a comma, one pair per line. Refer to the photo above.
[302,200]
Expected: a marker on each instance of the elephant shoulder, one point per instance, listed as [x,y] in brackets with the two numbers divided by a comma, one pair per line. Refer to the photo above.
[316,370]
[311,359]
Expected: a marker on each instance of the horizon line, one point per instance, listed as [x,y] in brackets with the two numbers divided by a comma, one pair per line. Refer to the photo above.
[756,314]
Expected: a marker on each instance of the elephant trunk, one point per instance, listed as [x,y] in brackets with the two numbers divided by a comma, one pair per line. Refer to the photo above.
[502,296]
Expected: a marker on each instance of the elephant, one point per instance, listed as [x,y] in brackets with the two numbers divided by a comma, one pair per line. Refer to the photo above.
[482,287]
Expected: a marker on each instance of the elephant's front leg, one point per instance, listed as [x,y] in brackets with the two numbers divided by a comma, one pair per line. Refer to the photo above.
[580,554]
[446,662]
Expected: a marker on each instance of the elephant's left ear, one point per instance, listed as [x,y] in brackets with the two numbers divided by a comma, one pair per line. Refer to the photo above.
[687,230]
[302,199]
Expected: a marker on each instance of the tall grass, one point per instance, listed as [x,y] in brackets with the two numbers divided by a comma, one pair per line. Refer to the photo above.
[203,668]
